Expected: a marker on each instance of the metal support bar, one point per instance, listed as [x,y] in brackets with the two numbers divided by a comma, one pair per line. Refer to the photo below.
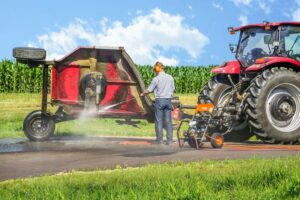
[45,89]
[196,142]
[188,107]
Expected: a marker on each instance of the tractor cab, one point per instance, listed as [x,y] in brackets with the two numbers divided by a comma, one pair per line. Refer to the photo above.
[259,41]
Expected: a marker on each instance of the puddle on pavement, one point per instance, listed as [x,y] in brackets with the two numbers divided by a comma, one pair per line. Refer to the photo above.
[24,145]
[71,143]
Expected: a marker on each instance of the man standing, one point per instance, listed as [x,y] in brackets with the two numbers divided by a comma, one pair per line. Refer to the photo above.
[163,87]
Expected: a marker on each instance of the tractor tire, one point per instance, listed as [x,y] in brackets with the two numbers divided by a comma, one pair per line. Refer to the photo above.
[218,89]
[37,128]
[273,107]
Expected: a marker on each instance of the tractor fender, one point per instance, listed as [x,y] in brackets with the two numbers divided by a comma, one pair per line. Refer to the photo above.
[268,61]
[231,67]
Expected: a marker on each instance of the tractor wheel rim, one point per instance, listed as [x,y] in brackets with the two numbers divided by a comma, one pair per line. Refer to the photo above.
[283,107]
[39,127]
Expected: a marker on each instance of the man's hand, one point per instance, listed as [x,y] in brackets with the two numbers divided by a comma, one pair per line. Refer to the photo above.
[144,93]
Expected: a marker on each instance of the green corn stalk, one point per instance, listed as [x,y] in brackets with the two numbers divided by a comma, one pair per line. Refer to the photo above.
[188,79]
[17,77]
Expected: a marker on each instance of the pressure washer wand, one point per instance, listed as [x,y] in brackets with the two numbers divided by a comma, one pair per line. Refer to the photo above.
[105,108]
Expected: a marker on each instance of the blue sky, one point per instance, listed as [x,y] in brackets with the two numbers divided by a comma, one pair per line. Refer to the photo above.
[176,32]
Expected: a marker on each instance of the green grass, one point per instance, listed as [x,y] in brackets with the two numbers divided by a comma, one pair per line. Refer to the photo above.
[255,178]
[14,107]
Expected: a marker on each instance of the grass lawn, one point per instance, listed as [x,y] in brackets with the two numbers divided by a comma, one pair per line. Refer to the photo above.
[14,108]
[255,178]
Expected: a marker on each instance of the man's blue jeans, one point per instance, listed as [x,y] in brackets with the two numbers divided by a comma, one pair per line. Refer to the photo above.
[163,109]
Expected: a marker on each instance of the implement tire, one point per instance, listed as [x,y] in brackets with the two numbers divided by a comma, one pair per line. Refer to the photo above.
[38,128]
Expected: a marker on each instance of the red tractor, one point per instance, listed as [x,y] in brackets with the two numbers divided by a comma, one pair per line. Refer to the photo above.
[262,86]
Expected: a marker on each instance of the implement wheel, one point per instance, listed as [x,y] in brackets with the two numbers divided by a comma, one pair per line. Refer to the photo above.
[37,127]
[217,140]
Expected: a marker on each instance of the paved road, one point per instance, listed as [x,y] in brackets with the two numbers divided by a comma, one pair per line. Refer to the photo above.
[21,158]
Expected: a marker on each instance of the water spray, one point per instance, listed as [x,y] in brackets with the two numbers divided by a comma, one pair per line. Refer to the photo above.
[106,108]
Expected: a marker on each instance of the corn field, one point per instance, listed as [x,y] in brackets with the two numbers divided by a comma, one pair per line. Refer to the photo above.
[19,78]
[188,79]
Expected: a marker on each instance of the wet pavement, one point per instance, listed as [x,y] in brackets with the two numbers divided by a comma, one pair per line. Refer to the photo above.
[22,158]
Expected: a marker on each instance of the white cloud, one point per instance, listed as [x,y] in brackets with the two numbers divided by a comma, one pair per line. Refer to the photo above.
[264,5]
[296,14]
[218,6]
[242,2]
[168,61]
[287,14]
[190,7]
[103,23]
[147,38]
[243,19]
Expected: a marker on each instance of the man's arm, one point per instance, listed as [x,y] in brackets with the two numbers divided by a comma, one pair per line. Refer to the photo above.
[151,87]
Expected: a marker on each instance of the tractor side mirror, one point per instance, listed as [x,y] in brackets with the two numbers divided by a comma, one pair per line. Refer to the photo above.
[233,48]
[268,39]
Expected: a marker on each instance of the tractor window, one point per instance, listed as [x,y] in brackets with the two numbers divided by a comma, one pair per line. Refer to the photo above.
[255,43]
[290,41]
